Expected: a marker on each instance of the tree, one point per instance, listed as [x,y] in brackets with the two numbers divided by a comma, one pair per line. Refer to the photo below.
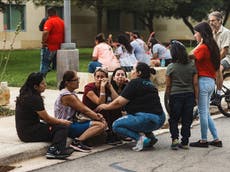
[189,10]
[3,3]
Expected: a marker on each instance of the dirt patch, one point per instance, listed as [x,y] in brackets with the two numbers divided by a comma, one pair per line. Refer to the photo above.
[6,168]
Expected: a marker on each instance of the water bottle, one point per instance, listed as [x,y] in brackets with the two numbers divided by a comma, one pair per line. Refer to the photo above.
[162,62]
[4,94]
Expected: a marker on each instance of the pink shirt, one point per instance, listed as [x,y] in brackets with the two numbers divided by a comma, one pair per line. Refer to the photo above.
[104,54]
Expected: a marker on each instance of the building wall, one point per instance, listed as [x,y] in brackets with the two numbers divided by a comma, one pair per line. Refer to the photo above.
[84,28]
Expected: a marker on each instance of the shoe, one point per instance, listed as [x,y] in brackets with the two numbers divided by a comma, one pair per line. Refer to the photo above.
[141,143]
[54,153]
[216,101]
[175,144]
[77,145]
[199,144]
[113,140]
[153,141]
[182,146]
[216,143]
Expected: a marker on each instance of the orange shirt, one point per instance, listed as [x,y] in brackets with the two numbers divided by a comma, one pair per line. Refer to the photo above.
[203,62]
[55,26]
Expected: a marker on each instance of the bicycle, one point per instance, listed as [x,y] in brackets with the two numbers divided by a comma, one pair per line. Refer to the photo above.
[223,107]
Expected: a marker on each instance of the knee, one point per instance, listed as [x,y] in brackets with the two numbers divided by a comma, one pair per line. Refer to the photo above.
[102,125]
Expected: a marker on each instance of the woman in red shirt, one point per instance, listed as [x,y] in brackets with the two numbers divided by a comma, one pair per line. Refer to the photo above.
[207,60]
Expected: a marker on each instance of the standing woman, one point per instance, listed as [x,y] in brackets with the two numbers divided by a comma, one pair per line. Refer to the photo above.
[142,103]
[207,60]
[30,110]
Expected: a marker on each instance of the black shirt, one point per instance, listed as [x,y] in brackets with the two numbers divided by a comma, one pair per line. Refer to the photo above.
[142,96]
[26,116]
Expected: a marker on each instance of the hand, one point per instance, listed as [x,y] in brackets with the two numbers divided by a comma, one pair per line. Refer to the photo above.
[100,117]
[66,122]
[104,81]
[101,107]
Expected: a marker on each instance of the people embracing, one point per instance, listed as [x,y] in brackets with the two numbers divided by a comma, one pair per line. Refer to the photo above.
[207,61]
[85,123]
[103,55]
[101,91]
[182,90]
[142,103]
[34,124]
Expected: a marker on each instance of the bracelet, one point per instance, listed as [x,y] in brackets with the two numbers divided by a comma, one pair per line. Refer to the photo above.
[102,94]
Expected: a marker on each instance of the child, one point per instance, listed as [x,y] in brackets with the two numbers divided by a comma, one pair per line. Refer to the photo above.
[181,87]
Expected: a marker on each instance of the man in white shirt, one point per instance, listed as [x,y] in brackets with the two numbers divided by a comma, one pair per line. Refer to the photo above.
[222,36]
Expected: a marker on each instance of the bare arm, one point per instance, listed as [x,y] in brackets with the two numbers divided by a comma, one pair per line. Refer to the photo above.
[75,103]
[45,35]
[51,120]
[223,52]
[115,104]
[195,86]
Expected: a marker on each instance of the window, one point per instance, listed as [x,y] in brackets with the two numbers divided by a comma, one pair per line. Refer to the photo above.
[113,20]
[13,15]
[138,25]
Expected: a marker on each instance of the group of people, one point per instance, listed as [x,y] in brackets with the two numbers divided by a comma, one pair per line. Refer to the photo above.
[128,49]
[126,109]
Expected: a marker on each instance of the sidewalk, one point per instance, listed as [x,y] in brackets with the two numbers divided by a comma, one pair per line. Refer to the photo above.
[13,150]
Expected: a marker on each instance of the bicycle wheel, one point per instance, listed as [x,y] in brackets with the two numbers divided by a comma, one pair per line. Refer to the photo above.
[166,103]
[224,106]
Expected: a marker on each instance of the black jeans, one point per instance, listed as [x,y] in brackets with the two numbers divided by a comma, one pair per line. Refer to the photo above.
[57,134]
[181,107]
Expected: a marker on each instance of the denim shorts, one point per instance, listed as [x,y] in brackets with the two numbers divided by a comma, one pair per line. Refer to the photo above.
[77,128]
[225,63]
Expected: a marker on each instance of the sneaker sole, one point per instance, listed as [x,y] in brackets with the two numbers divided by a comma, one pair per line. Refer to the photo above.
[50,156]
[79,149]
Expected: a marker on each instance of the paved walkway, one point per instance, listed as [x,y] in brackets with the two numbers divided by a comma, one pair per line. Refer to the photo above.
[13,150]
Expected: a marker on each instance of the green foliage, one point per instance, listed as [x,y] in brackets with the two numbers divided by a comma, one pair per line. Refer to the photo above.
[5,111]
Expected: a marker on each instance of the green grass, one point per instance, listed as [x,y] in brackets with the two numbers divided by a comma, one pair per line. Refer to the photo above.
[23,62]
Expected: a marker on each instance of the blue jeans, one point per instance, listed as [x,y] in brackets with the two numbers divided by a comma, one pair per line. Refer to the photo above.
[206,88]
[46,58]
[93,65]
[181,107]
[131,125]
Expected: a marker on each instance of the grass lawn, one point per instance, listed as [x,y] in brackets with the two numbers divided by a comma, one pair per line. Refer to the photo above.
[23,62]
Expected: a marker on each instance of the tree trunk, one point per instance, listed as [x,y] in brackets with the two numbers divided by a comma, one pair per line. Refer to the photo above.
[226,16]
[188,24]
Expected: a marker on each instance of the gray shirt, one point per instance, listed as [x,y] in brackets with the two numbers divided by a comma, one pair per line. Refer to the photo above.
[181,77]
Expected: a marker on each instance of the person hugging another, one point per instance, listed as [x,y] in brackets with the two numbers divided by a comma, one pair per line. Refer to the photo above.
[103,55]
[182,89]
[68,106]
[101,91]
[142,103]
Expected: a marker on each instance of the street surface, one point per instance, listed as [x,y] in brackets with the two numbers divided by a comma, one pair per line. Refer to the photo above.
[159,159]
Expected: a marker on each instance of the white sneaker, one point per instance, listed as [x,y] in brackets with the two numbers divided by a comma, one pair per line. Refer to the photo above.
[140,144]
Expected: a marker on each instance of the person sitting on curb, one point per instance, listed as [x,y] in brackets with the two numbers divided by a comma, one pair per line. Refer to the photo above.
[101,91]
[142,103]
[68,106]
[29,112]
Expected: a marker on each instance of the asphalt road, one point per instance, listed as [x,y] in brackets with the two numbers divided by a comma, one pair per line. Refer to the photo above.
[159,159]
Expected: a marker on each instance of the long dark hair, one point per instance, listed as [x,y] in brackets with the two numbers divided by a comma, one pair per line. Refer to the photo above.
[113,83]
[206,33]
[124,40]
[178,52]
[145,70]
[34,79]
[68,76]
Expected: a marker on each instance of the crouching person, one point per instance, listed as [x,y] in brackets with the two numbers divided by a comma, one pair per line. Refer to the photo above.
[29,112]
[68,106]
[142,103]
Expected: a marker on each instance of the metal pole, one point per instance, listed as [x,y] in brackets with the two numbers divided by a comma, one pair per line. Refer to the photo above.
[67,20]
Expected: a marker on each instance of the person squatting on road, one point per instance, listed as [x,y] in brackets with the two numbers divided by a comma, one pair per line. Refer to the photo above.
[142,103]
